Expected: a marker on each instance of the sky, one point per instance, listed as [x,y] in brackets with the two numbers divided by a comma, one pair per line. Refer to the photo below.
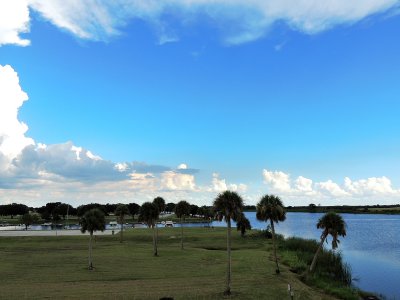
[127,100]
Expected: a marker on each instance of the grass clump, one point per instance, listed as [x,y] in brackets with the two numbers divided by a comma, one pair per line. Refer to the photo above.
[331,274]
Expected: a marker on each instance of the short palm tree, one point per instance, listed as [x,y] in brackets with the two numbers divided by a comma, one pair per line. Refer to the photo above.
[149,214]
[121,211]
[332,224]
[182,210]
[229,206]
[243,224]
[271,208]
[160,202]
[93,220]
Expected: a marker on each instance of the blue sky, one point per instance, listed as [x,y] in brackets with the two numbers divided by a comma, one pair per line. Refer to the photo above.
[302,103]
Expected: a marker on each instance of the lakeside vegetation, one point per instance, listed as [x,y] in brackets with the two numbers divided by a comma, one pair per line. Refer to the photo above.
[56,267]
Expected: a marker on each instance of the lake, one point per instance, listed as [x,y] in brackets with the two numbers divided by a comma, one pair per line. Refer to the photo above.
[371,247]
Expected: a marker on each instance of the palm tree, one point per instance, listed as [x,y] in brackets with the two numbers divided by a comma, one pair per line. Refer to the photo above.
[229,206]
[182,209]
[149,214]
[121,211]
[271,208]
[160,203]
[243,224]
[29,219]
[334,225]
[92,220]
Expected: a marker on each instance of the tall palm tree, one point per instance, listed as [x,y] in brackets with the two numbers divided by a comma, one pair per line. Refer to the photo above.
[160,203]
[332,224]
[93,220]
[182,209]
[121,211]
[149,214]
[229,206]
[271,208]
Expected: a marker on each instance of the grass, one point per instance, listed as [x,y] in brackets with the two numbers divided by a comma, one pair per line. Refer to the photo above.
[331,274]
[56,267]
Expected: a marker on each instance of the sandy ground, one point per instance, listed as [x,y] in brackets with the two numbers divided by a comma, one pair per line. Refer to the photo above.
[10,233]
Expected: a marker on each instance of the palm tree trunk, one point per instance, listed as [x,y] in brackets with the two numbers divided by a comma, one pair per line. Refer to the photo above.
[90,251]
[181,234]
[228,248]
[122,229]
[274,245]
[314,261]
[155,241]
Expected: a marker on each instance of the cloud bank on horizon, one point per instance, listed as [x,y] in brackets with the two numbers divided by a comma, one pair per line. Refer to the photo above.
[357,191]
[239,21]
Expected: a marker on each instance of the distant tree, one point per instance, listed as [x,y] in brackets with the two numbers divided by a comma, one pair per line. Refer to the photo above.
[110,208]
[14,209]
[63,209]
[182,210]
[46,216]
[229,206]
[194,209]
[206,212]
[93,220]
[29,219]
[243,224]
[160,203]
[149,214]
[271,208]
[82,209]
[331,224]
[133,209]
[121,211]
[170,207]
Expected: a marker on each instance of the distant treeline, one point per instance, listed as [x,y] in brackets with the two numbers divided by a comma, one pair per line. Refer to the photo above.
[56,211]
[357,209]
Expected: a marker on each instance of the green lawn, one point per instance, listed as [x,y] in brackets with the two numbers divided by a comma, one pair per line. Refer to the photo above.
[56,268]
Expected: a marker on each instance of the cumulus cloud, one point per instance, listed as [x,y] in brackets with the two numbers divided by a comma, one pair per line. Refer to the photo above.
[301,187]
[220,185]
[14,20]
[239,20]
[279,181]
[12,131]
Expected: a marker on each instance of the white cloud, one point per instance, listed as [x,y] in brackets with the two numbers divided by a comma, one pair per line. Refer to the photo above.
[12,131]
[239,20]
[177,181]
[279,181]
[182,167]
[14,20]
[303,184]
[370,186]
[220,185]
[350,191]
[331,189]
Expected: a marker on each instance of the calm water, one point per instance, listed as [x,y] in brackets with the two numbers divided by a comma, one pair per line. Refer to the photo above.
[371,247]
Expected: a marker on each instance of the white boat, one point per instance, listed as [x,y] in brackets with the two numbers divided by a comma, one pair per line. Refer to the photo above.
[169,224]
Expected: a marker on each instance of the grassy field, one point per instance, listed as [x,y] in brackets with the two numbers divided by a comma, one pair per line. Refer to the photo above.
[56,268]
